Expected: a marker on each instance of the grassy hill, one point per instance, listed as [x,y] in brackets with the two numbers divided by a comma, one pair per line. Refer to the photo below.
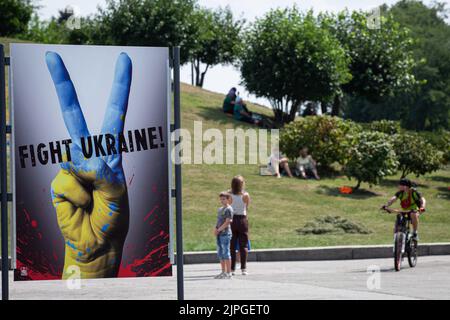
[282,206]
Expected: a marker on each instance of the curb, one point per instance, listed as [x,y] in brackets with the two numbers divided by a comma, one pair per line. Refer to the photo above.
[320,253]
[316,253]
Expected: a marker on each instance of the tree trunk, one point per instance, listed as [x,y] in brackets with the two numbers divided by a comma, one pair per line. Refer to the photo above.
[336,109]
[279,116]
[357,185]
[293,111]
[404,174]
[197,72]
[192,73]
[202,77]
[324,107]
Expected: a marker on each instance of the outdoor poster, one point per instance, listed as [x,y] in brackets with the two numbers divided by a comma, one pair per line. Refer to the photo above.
[91,161]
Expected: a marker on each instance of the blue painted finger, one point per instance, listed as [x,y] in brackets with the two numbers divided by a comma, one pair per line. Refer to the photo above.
[68,100]
[118,101]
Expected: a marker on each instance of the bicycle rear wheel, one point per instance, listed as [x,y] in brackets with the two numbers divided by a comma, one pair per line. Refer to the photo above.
[398,256]
[412,253]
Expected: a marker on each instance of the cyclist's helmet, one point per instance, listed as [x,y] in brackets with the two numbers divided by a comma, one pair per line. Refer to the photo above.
[405,182]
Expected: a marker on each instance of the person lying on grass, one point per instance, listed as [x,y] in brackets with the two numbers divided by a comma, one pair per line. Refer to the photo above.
[222,231]
[241,113]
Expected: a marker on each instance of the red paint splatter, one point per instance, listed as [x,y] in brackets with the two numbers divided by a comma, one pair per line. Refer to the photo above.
[151,212]
[137,268]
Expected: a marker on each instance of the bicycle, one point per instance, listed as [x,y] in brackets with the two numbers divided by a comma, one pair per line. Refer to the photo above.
[403,239]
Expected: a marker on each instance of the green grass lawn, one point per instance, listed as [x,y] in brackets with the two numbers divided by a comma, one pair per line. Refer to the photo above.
[281,206]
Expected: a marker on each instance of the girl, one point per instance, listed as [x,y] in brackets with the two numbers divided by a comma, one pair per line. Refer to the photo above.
[239,226]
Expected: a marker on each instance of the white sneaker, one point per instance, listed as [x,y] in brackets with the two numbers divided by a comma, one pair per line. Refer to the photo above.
[244,272]
[227,276]
[220,276]
[233,273]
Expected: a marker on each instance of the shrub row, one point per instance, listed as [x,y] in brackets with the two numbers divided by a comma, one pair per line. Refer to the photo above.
[365,153]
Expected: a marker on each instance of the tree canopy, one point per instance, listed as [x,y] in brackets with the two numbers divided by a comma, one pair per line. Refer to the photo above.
[289,58]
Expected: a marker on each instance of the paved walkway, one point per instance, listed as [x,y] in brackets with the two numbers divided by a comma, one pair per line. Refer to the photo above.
[346,279]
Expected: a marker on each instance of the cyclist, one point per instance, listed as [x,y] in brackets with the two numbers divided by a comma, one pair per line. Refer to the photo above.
[410,200]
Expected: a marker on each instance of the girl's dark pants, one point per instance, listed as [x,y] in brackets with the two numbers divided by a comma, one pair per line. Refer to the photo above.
[239,228]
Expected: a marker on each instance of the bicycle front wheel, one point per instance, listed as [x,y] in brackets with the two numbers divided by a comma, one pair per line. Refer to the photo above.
[412,253]
[398,255]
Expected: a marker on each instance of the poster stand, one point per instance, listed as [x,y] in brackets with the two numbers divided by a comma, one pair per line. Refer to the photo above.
[5,197]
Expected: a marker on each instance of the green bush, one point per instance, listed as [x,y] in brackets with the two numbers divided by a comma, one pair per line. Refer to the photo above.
[416,155]
[371,158]
[441,141]
[328,138]
[386,126]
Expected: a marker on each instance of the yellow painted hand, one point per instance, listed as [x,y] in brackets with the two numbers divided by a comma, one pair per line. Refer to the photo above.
[90,195]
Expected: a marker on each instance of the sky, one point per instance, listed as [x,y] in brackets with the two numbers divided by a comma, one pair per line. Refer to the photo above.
[222,78]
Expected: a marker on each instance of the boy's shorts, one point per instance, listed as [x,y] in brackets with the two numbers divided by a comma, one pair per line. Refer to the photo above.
[223,246]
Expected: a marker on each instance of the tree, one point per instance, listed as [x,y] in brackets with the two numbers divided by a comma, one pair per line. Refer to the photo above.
[147,23]
[218,40]
[289,58]
[328,138]
[416,155]
[381,60]
[427,105]
[56,30]
[14,16]
[371,158]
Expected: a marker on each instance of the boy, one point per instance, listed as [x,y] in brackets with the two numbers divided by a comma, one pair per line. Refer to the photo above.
[410,199]
[223,233]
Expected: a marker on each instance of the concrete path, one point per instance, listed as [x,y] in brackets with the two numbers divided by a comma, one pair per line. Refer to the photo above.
[345,279]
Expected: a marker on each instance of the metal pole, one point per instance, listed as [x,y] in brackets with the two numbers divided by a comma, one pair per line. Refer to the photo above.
[3,182]
[178,199]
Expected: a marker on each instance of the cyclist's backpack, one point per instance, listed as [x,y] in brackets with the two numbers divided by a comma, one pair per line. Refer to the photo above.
[416,196]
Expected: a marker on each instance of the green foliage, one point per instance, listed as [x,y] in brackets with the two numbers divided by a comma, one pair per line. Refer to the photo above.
[386,126]
[427,105]
[328,138]
[147,23]
[381,60]
[218,39]
[416,155]
[55,30]
[371,158]
[289,58]
[440,140]
[14,16]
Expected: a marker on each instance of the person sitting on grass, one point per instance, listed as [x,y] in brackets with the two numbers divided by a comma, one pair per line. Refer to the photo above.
[228,103]
[222,231]
[241,112]
[306,166]
[278,163]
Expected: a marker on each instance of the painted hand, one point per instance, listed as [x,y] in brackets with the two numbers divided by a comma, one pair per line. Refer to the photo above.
[90,195]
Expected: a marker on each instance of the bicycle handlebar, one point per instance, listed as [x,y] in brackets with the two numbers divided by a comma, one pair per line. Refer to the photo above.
[389,210]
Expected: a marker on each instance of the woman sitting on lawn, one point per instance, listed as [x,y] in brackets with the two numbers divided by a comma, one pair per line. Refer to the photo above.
[228,103]
[306,165]
[278,163]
